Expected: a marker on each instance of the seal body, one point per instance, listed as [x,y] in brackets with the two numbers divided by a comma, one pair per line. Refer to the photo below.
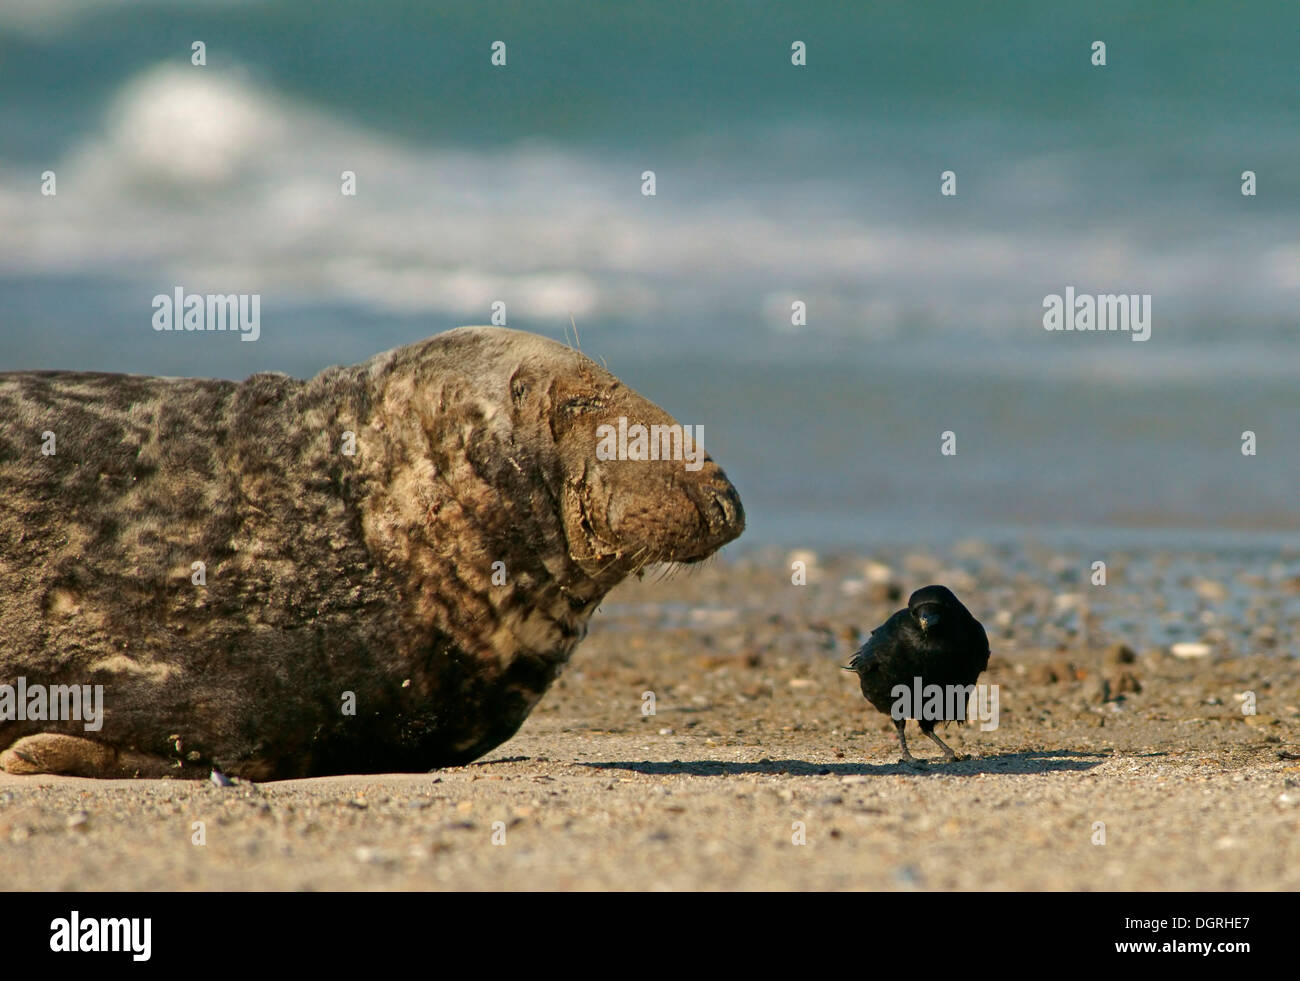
[381,568]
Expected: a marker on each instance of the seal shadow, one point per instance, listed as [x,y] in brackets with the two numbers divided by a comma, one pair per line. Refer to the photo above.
[1031,762]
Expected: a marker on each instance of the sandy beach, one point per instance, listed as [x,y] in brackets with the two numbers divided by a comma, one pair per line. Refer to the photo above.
[1125,756]
[1000,296]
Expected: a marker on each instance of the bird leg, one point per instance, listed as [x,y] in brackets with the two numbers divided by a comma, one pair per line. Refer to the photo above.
[908,759]
[947,750]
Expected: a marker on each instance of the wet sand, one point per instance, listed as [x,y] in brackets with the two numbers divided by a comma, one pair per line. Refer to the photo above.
[1108,770]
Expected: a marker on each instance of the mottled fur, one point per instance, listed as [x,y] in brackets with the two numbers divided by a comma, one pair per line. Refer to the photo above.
[326,573]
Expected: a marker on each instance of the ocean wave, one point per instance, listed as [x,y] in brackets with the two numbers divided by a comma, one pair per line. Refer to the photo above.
[205,178]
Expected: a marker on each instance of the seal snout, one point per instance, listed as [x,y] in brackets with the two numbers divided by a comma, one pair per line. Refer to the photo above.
[721,513]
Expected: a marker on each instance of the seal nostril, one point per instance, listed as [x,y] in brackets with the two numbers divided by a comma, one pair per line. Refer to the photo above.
[718,510]
[725,502]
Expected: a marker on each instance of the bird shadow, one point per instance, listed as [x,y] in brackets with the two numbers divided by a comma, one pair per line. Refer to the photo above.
[1034,761]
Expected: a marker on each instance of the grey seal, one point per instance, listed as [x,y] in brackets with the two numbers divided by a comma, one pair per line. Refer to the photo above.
[381,568]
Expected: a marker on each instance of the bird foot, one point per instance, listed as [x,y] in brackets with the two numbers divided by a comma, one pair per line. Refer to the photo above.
[913,762]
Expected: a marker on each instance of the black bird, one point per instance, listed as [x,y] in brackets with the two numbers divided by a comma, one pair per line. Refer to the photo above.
[935,641]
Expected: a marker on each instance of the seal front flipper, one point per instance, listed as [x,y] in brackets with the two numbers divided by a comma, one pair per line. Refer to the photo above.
[75,756]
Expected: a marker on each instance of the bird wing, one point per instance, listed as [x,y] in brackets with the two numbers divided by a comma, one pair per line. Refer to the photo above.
[865,658]
[985,638]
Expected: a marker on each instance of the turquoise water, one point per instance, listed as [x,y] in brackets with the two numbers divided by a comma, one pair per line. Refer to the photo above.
[774,184]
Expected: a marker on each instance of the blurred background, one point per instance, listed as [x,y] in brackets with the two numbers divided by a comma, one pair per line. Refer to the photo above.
[775,183]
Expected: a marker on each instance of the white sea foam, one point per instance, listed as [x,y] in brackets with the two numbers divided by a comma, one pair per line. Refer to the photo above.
[46,17]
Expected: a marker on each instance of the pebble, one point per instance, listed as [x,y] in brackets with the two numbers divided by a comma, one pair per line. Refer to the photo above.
[806,556]
[884,592]
[1041,674]
[1264,636]
[1124,682]
[907,875]
[877,572]
[1209,589]
[1118,654]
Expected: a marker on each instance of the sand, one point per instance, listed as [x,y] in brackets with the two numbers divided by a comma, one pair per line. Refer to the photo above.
[763,768]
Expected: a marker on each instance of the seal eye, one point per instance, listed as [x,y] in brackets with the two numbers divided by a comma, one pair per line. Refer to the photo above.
[584,403]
